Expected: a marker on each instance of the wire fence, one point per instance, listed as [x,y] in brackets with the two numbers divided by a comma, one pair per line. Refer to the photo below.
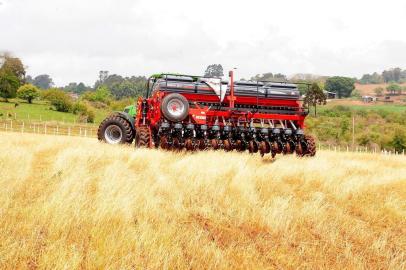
[358,149]
[50,128]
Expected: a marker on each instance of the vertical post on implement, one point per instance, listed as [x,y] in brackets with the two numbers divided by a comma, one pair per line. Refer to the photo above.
[231,98]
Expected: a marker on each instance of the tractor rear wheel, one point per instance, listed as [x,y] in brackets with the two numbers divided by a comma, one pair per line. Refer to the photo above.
[143,137]
[115,130]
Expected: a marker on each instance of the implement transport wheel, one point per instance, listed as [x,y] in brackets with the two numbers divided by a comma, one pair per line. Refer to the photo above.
[287,149]
[276,148]
[252,147]
[311,146]
[189,145]
[201,144]
[163,143]
[227,145]
[264,148]
[215,144]
[299,149]
[115,130]
[176,144]
[240,146]
[142,137]
[175,107]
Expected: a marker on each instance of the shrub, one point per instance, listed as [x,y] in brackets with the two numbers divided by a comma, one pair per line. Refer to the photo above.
[58,99]
[356,94]
[102,94]
[85,112]
[86,117]
[99,105]
[28,92]
[378,91]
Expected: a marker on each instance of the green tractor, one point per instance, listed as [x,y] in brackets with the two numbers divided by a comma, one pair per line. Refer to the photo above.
[118,128]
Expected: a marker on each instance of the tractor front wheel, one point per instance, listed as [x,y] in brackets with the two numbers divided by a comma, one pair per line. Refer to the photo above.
[115,130]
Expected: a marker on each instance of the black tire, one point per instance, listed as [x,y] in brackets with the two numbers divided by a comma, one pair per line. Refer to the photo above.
[176,99]
[142,138]
[115,130]
[311,146]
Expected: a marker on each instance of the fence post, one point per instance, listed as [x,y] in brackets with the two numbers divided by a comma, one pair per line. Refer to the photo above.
[11,125]
[68,131]
[403,152]
[45,128]
[57,130]
[85,132]
[22,128]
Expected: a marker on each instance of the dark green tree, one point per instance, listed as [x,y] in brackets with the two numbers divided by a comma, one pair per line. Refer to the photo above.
[28,92]
[12,75]
[396,74]
[214,70]
[76,88]
[43,81]
[103,75]
[29,79]
[394,89]
[315,96]
[13,65]
[303,86]
[393,75]
[9,84]
[398,142]
[343,86]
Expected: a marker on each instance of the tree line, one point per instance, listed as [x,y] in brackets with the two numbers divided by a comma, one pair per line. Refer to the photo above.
[109,87]
[393,75]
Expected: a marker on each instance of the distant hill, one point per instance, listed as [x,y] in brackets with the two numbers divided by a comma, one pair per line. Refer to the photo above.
[368,90]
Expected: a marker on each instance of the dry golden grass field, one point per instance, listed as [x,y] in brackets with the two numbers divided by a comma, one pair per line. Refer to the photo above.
[75,203]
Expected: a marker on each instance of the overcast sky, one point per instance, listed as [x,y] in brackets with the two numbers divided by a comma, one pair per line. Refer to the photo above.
[73,39]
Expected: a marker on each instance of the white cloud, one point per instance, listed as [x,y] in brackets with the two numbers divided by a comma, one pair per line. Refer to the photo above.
[72,40]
